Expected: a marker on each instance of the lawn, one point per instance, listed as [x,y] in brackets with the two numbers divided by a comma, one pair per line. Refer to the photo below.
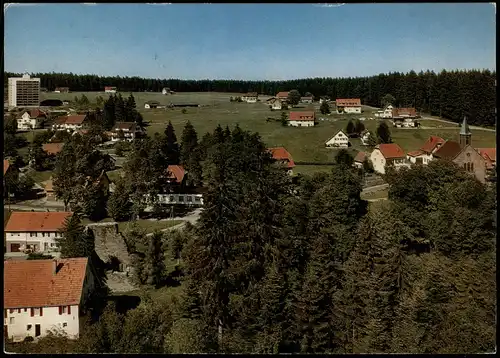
[304,144]
[148,225]
[39,177]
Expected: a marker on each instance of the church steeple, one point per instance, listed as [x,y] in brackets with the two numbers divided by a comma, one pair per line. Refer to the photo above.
[465,134]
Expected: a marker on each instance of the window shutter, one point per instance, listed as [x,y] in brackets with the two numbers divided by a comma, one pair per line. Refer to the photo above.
[69,309]
[41,311]
[32,311]
[60,310]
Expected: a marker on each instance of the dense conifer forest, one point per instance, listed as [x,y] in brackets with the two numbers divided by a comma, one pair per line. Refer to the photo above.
[449,94]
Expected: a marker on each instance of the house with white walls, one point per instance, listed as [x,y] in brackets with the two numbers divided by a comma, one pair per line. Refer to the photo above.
[348,105]
[339,140]
[385,155]
[386,112]
[275,104]
[42,296]
[359,159]
[109,89]
[31,120]
[365,136]
[282,96]
[125,131]
[250,97]
[425,153]
[34,231]
[302,119]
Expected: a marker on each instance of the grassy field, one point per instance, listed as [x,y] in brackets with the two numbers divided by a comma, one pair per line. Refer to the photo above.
[305,144]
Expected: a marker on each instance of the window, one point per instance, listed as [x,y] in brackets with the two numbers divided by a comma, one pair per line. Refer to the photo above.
[37,311]
[190,198]
[196,198]
[181,198]
[11,320]
[65,324]
[171,198]
[28,327]
[63,309]
[472,167]
[32,234]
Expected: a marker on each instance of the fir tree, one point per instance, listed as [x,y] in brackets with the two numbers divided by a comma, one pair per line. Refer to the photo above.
[119,202]
[189,143]
[350,129]
[171,148]
[383,133]
[76,241]
[324,108]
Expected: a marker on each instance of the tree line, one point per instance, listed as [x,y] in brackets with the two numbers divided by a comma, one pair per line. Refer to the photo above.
[281,266]
[450,94]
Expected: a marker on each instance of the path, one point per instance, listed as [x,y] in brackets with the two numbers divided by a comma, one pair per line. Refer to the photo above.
[375,188]
[456,124]
[191,218]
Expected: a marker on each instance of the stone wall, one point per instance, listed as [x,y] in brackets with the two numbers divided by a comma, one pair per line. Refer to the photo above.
[109,243]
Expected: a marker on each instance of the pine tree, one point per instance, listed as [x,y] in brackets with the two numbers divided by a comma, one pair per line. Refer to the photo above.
[109,113]
[189,143]
[350,129]
[153,264]
[324,108]
[120,111]
[76,241]
[119,202]
[359,127]
[293,97]
[94,202]
[130,109]
[171,148]
[383,133]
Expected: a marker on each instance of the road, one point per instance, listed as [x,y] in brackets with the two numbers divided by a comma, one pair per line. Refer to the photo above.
[191,218]
[456,124]
[375,188]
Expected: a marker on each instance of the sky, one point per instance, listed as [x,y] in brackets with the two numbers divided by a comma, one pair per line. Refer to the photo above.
[248,41]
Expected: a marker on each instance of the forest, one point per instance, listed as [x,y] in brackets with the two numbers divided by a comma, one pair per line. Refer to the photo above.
[448,94]
[276,265]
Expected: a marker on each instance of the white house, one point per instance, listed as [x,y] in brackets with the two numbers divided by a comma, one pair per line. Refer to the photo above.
[386,112]
[45,295]
[166,91]
[425,153]
[365,136]
[152,104]
[306,99]
[71,122]
[348,105]
[109,89]
[385,155]
[250,97]
[275,104]
[324,99]
[282,96]
[339,140]
[31,120]
[125,131]
[34,231]
[302,119]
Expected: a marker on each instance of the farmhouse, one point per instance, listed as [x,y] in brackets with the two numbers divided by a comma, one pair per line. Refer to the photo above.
[359,160]
[404,117]
[302,119]
[125,131]
[283,157]
[31,120]
[34,231]
[308,99]
[250,97]
[61,90]
[71,122]
[45,295]
[166,91]
[282,96]
[109,89]
[275,104]
[424,154]
[339,140]
[152,104]
[385,113]
[365,136]
[348,105]
[385,155]
[52,148]
[324,99]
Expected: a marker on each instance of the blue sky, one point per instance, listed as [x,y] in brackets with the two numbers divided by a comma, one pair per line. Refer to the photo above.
[248,41]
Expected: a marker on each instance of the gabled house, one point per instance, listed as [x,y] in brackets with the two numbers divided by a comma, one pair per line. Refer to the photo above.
[46,295]
[102,180]
[71,122]
[250,97]
[52,148]
[308,99]
[324,99]
[359,160]
[125,131]
[385,155]
[386,112]
[34,231]
[283,157]
[339,140]
[61,90]
[348,105]
[365,136]
[490,156]
[166,91]
[31,120]
[275,104]
[282,96]
[48,189]
[109,89]
[404,113]
[424,154]
[302,119]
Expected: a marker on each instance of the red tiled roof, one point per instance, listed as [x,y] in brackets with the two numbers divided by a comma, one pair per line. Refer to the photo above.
[34,283]
[36,221]
[176,172]
[360,157]
[36,113]
[282,94]
[432,143]
[124,126]
[280,154]
[302,116]
[60,120]
[411,112]
[6,165]
[76,119]
[348,102]
[491,153]
[449,150]
[109,87]
[391,150]
[52,148]
[415,153]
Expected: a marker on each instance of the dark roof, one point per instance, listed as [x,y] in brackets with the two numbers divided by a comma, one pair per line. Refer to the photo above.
[153,102]
[449,150]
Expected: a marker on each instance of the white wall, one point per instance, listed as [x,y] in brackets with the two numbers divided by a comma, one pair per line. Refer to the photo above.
[301,123]
[40,239]
[276,105]
[425,157]
[352,109]
[51,319]
[340,140]
[378,161]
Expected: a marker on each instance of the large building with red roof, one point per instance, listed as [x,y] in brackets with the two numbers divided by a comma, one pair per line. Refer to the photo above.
[34,231]
[45,295]
[348,105]
[385,155]
[302,119]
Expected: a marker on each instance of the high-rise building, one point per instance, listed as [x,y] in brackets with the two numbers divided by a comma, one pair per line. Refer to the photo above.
[24,91]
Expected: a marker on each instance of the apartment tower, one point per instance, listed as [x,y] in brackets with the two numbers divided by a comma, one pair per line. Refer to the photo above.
[24,91]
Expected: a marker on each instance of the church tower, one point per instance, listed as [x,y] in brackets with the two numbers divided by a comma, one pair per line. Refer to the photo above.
[465,134]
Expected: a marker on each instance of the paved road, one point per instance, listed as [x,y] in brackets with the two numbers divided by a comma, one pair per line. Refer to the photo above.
[456,124]
[192,218]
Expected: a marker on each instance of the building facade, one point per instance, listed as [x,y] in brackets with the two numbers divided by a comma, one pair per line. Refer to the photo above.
[348,105]
[23,91]
[302,119]
[339,140]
